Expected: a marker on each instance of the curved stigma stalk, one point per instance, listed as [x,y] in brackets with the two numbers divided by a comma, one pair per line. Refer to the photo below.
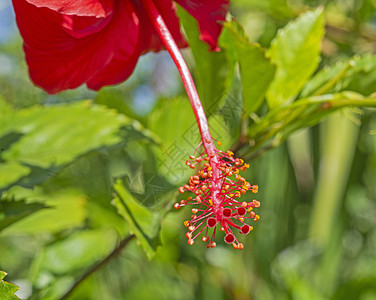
[218,184]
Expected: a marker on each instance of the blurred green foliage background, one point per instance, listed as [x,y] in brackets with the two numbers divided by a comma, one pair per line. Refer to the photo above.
[87,186]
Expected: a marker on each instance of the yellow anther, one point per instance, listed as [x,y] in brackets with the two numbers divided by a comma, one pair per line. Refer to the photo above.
[219,143]
[256,203]
[186,223]
[211,202]
[256,218]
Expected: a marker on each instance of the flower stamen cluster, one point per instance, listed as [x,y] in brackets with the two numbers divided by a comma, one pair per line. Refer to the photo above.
[216,199]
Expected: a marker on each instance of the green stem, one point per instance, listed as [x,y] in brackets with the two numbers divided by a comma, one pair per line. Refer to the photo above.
[96,267]
[328,85]
[280,122]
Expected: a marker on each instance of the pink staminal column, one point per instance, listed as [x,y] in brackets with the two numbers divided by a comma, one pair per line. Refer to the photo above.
[218,184]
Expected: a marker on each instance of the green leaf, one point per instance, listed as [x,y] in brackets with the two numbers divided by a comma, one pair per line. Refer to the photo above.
[7,289]
[171,118]
[11,172]
[211,66]
[277,8]
[13,211]
[56,135]
[359,288]
[5,108]
[175,124]
[357,74]
[291,266]
[143,222]
[66,209]
[78,251]
[256,70]
[296,52]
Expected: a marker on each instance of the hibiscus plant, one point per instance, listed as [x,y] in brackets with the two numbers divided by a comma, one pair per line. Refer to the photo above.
[137,135]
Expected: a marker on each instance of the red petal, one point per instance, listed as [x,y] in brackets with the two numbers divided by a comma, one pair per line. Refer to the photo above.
[150,38]
[57,60]
[209,14]
[88,8]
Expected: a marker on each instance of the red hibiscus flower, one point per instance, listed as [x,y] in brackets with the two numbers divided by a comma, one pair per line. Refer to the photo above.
[98,42]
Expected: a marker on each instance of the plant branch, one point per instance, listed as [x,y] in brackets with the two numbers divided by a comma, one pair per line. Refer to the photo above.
[99,265]
[284,120]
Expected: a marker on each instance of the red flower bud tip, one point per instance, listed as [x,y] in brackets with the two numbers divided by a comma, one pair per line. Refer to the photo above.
[216,188]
